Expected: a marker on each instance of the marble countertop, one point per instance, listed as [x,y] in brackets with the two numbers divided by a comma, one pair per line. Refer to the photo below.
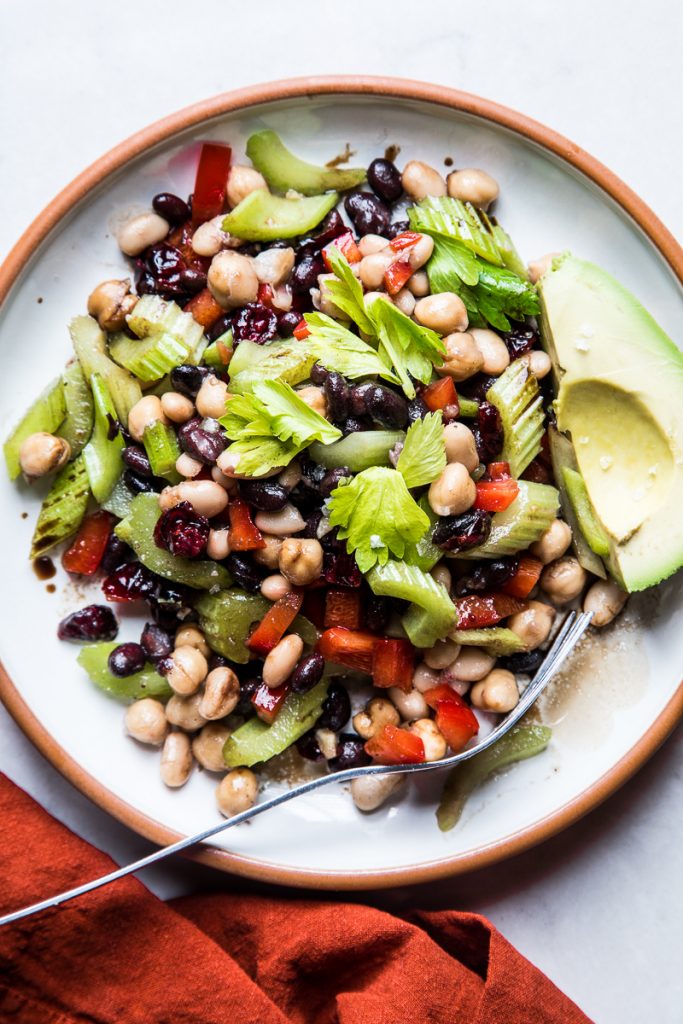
[598,907]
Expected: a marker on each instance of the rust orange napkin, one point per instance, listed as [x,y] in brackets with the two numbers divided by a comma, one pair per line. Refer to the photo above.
[122,956]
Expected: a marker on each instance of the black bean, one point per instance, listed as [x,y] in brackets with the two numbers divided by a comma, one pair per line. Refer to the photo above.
[202,444]
[376,614]
[386,407]
[353,425]
[156,642]
[248,688]
[117,553]
[126,660]
[520,340]
[136,459]
[217,661]
[488,433]
[384,179]
[265,495]
[286,322]
[94,622]
[188,379]
[142,484]
[307,266]
[417,409]
[218,328]
[309,747]
[350,753]
[332,479]
[336,709]
[308,672]
[192,280]
[171,207]
[337,393]
[332,227]
[458,533]
[357,396]
[526,662]
[369,214]
[397,227]
[318,374]
[244,572]
[488,576]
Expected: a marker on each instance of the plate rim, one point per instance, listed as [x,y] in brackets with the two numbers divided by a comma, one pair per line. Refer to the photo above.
[17,261]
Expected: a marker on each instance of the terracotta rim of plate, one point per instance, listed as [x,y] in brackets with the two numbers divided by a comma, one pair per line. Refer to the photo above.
[307,88]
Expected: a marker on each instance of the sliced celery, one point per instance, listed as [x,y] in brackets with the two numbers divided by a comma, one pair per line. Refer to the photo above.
[161,445]
[255,742]
[520,743]
[227,619]
[137,529]
[288,361]
[152,315]
[262,217]
[469,408]
[517,397]
[46,414]
[283,170]
[147,683]
[577,492]
[522,523]
[497,640]
[63,509]
[213,355]
[120,499]
[77,427]
[357,451]
[562,455]
[167,337]
[407,582]
[102,453]
[89,344]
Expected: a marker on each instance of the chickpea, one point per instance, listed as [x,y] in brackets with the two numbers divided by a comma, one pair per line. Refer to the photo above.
[269,556]
[327,742]
[420,180]
[418,284]
[563,580]
[187,466]
[370,791]
[228,483]
[442,574]
[218,544]
[433,739]
[273,266]
[145,412]
[373,267]
[291,476]
[188,672]
[206,496]
[540,364]
[140,232]
[447,677]
[237,792]
[176,407]
[301,561]
[221,694]
[280,524]
[537,268]
[425,678]
[605,599]
[110,303]
[472,185]
[211,397]
[314,398]
[443,313]
[409,705]
[242,181]
[176,760]
[442,654]
[419,253]
[533,625]
[496,692]
[463,358]
[275,587]
[370,244]
[405,301]
[461,446]
[209,238]
[453,492]
[495,355]
[232,279]
[322,299]
[378,713]
[207,746]
[553,543]
[281,661]
[192,636]
[43,453]
[472,664]
[184,712]
[145,721]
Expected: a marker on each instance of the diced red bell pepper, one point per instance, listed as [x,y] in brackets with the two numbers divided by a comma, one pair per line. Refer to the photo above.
[442,694]
[396,275]
[396,746]
[457,723]
[267,703]
[244,535]
[353,648]
[301,330]
[495,495]
[347,246]
[224,352]
[204,308]
[210,183]
[275,623]
[406,240]
[343,608]
[477,611]
[526,577]
[498,471]
[439,394]
[393,663]
[86,551]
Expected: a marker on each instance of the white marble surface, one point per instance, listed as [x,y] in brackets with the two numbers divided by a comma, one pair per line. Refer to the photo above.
[597,908]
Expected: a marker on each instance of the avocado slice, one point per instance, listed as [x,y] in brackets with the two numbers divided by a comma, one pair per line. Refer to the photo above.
[619,382]
[282,170]
[262,217]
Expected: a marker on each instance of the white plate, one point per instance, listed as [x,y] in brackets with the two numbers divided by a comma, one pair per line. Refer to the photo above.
[611,707]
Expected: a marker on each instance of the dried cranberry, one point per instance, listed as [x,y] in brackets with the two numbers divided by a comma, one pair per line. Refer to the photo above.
[369,214]
[156,642]
[417,409]
[377,613]
[489,576]
[129,583]
[116,554]
[254,322]
[164,665]
[265,495]
[520,340]
[526,662]
[182,531]
[386,407]
[458,533]
[337,394]
[350,753]
[341,570]
[286,323]
[397,227]
[136,459]
[488,433]
[171,207]
[332,227]
[244,571]
[202,444]
[94,622]
[332,479]
[126,660]
[336,708]
[142,484]
[384,179]
[308,672]
[188,379]
[308,746]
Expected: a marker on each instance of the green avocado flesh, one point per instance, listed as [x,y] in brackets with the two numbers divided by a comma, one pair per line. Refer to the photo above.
[262,217]
[282,170]
[619,382]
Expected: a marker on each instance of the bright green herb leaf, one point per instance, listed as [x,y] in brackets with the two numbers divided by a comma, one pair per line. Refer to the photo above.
[412,350]
[347,292]
[339,349]
[423,457]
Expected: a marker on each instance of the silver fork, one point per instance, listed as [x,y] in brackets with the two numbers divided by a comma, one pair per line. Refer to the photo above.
[571,631]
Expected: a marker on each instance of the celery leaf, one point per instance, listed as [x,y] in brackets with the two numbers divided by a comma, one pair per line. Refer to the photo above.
[423,457]
[412,350]
[347,292]
[337,348]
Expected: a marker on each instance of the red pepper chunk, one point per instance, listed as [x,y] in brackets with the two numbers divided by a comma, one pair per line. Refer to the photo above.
[393,663]
[244,535]
[204,308]
[457,723]
[498,471]
[396,275]
[525,578]
[301,330]
[442,694]
[406,240]
[395,746]
[346,244]
[267,703]
[210,183]
[440,394]
[349,647]
[224,352]
[86,551]
[477,611]
[342,608]
[275,623]
[495,495]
